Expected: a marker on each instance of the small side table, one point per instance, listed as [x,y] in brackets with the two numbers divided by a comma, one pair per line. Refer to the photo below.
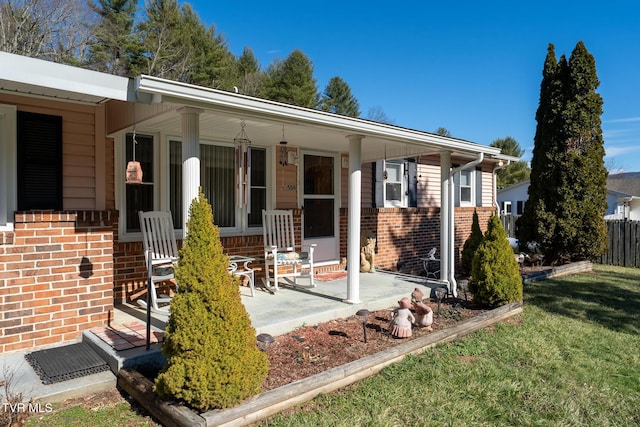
[239,266]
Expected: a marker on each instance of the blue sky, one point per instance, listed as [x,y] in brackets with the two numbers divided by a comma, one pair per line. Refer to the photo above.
[469,66]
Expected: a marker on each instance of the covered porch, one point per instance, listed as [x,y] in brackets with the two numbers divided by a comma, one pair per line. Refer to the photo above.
[279,312]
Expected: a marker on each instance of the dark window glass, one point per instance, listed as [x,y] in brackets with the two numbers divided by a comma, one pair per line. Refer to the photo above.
[139,197]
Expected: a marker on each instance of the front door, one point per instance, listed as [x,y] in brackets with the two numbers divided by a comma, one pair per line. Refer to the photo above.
[320,213]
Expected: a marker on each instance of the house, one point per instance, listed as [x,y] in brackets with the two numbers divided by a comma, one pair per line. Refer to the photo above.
[70,242]
[622,203]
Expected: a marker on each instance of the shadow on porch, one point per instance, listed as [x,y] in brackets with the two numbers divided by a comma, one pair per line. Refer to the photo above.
[271,312]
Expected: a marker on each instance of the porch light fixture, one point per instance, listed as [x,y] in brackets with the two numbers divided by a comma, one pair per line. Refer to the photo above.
[284,157]
[440,293]
[133,173]
[242,137]
[363,315]
[264,341]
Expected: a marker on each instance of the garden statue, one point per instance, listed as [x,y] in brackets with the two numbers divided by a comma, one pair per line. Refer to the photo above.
[424,313]
[367,253]
[401,319]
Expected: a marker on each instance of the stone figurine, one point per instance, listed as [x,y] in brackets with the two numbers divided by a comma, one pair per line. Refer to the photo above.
[401,319]
[424,313]
[367,253]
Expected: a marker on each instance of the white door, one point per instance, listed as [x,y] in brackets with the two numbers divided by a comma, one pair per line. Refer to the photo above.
[320,223]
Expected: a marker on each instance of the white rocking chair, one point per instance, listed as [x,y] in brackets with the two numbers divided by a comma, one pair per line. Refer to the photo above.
[159,242]
[280,249]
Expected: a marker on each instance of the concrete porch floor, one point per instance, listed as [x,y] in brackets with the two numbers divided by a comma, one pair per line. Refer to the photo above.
[275,314]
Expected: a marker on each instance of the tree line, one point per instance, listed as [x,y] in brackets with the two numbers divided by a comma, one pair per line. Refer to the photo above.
[163,38]
[167,39]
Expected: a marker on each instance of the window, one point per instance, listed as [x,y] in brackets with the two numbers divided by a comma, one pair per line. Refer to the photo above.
[395,185]
[520,207]
[220,167]
[506,208]
[39,157]
[139,197]
[466,188]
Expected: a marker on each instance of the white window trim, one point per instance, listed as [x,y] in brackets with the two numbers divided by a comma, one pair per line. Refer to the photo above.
[8,166]
[506,211]
[404,201]
[472,186]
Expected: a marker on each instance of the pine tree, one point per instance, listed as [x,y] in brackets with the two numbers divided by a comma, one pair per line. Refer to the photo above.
[337,98]
[472,243]
[495,273]
[291,81]
[115,46]
[567,195]
[210,345]
[517,171]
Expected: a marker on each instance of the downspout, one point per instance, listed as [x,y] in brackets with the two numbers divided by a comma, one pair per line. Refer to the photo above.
[453,286]
[500,165]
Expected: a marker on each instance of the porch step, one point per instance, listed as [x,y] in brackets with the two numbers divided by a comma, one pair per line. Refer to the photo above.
[138,358]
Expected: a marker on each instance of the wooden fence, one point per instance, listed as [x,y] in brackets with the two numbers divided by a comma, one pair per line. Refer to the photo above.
[623,241]
[624,244]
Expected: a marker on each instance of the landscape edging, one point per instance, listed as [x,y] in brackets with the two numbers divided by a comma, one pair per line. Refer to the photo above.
[273,401]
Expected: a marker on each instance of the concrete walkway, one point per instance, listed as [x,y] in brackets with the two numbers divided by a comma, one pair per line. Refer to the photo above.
[273,313]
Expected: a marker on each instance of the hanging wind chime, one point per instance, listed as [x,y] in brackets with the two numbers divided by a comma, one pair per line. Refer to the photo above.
[134,170]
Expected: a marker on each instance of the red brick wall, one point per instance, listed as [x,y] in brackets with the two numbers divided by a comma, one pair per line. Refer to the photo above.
[403,236]
[56,277]
[406,234]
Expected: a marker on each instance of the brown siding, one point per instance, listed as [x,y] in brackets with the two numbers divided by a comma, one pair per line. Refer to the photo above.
[81,131]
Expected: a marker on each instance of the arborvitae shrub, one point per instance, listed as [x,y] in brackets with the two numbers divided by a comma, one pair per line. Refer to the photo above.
[471,244]
[495,274]
[210,345]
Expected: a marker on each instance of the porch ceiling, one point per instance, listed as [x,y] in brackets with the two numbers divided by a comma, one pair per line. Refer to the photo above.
[222,113]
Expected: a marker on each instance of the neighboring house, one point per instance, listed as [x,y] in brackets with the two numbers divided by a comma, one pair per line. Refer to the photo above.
[70,242]
[622,203]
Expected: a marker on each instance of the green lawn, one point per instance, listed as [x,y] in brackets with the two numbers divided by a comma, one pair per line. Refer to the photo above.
[572,358]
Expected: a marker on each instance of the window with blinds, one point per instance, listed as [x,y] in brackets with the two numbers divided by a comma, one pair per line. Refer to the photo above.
[39,158]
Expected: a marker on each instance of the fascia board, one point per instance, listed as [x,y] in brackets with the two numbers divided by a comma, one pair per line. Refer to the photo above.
[64,78]
[162,90]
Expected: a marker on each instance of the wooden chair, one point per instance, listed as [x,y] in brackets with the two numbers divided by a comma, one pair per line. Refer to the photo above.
[281,254]
[159,242]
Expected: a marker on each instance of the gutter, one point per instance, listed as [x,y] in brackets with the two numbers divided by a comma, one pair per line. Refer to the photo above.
[498,167]
[451,228]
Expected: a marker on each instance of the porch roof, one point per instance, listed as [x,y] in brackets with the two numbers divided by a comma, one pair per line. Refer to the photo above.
[37,78]
[222,113]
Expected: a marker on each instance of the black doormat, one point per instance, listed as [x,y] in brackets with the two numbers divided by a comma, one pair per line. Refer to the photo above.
[64,363]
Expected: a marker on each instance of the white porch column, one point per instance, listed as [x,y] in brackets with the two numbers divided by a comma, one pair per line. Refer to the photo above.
[353,219]
[445,207]
[190,160]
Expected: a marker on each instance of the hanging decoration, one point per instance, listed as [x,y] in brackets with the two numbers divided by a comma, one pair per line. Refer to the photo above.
[134,170]
[243,160]
[284,156]
[242,138]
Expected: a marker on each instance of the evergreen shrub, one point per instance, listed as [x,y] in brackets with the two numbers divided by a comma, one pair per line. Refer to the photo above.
[471,244]
[210,345]
[495,274]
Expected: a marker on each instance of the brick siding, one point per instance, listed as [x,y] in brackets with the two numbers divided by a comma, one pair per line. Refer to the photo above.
[56,277]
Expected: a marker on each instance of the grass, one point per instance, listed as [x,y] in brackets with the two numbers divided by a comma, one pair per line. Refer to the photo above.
[572,358]
[119,415]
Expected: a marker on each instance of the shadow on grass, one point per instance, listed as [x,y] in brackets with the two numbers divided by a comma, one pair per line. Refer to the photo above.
[608,296]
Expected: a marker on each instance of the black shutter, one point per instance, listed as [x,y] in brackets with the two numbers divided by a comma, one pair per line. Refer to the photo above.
[39,161]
